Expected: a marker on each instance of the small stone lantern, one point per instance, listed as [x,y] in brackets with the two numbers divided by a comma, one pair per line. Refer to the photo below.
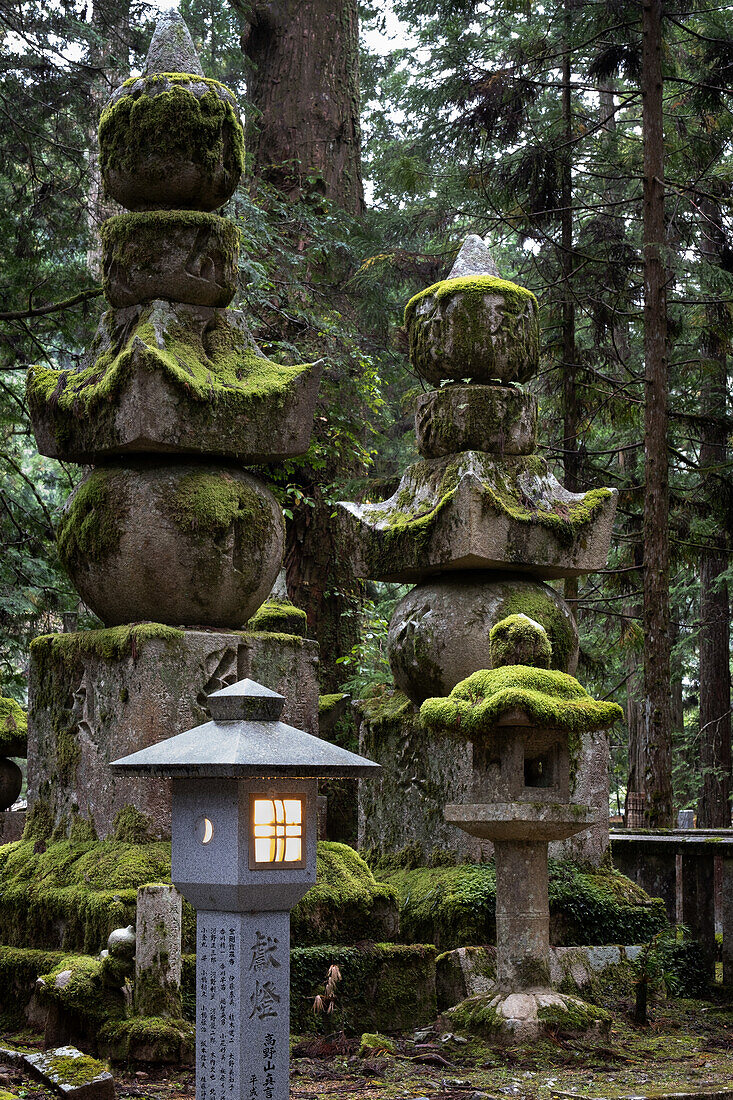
[244,803]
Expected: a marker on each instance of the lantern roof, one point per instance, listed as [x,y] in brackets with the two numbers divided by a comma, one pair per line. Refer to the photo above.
[245,739]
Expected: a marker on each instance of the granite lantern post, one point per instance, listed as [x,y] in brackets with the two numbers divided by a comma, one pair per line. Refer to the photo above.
[244,824]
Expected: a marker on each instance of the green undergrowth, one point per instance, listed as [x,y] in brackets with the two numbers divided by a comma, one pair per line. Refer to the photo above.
[550,698]
[13,729]
[456,906]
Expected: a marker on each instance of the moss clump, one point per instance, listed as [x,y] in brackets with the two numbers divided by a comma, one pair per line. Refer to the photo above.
[213,503]
[213,367]
[456,906]
[132,826]
[477,1015]
[525,599]
[13,729]
[329,703]
[372,1043]
[70,1069]
[575,1018]
[90,527]
[388,706]
[19,971]
[454,333]
[519,640]
[549,698]
[148,1039]
[177,117]
[279,617]
[72,894]
[346,904]
[39,822]
[90,988]
[113,644]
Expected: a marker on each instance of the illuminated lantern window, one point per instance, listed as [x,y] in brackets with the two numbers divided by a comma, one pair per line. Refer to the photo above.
[277,831]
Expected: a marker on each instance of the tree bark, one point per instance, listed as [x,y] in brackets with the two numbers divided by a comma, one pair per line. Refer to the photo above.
[570,392]
[656,717]
[305,88]
[715,724]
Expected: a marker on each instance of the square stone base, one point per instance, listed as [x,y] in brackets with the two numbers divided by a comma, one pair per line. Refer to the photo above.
[402,810]
[91,702]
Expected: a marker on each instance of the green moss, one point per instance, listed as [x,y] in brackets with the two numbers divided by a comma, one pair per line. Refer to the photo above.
[113,644]
[346,904]
[213,503]
[549,698]
[90,528]
[295,640]
[76,1070]
[476,1015]
[148,1038]
[519,640]
[526,600]
[576,1017]
[280,617]
[20,968]
[388,706]
[13,729]
[515,297]
[39,823]
[211,368]
[168,118]
[87,991]
[456,906]
[329,703]
[372,1043]
[131,826]
[82,831]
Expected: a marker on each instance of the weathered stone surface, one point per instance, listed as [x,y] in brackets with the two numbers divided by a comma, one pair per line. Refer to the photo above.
[72,1073]
[500,419]
[158,953]
[477,328]
[478,511]
[174,378]
[11,783]
[402,812]
[474,258]
[519,822]
[180,544]
[439,632]
[122,943]
[12,824]
[98,695]
[171,49]
[521,1017]
[171,141]
[179,255]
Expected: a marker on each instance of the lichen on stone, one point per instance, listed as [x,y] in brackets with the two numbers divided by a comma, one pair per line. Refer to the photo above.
[549,698]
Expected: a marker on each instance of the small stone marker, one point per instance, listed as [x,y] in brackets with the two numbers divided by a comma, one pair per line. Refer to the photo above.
[158,951]
[474,258]
[72,1073]
[686,819]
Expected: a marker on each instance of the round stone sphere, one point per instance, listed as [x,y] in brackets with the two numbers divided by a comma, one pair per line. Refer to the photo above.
[497,419]
[171,141]
[477,328]
[184,544]
[178,255]
[440,631]
[11,783]
[121,943]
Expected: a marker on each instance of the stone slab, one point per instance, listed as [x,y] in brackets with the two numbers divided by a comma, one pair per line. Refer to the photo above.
[72,1073]
[402,809]
[170,378]
[243,1006]
[87,708]
[474,510]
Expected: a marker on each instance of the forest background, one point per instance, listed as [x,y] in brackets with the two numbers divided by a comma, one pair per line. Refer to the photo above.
[588,141]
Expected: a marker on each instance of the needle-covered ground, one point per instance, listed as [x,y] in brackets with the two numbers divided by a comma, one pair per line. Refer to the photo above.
[687,1048]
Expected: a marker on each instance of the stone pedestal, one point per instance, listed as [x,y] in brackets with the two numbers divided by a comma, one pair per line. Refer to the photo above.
[99,695]
[522,916]
[242,1005]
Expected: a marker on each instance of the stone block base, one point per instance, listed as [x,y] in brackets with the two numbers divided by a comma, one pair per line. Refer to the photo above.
[12,824]
[525,1016]
[401,812]
[98,695]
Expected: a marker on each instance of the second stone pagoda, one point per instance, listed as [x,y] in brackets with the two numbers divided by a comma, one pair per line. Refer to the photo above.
[479,525]
[172,403]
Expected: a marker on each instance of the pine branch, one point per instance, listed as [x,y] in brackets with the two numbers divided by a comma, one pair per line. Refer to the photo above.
[55,307]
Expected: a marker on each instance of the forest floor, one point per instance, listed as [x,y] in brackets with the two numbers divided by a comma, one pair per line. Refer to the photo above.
[687,1048]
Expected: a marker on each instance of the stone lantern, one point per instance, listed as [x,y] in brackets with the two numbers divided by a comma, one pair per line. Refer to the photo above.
[524,724]
[245,790]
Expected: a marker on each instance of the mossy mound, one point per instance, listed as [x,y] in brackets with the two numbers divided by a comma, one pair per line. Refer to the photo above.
[13,729]
[112,644]
[279,617]
[346,904]
[20,968]
[89,989]
[148,1039]
[519,640]
[171,139]
[476,327]
[549,698]
[456,906]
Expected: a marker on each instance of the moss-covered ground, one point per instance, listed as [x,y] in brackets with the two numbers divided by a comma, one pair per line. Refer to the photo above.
[686,1048]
